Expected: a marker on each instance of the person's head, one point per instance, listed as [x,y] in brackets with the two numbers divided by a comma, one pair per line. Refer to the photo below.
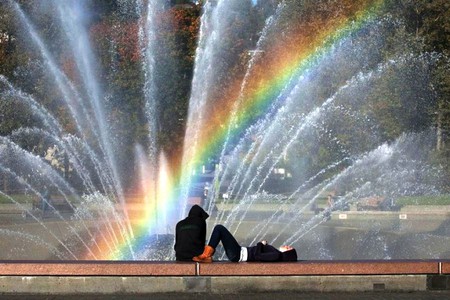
[197,211]
[288,253]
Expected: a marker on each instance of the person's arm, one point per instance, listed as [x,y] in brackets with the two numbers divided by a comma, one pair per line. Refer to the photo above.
[266,253]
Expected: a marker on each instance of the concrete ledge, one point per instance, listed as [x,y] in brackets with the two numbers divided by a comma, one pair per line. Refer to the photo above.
[142,277]
[95,268]
[66,285]
[445,267]
[245,284]
[45,285]
[146,268]
[320,268]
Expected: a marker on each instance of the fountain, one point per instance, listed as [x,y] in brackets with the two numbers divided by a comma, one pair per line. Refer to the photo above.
[281,115]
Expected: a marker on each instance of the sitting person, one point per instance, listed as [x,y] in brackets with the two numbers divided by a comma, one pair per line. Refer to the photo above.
[190,234]
[235,253]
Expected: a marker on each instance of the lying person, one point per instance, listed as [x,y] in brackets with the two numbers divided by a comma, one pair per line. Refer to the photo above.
[235,253]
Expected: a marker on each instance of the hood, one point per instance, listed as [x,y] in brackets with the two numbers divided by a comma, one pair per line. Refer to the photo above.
[197,211]
[290,255]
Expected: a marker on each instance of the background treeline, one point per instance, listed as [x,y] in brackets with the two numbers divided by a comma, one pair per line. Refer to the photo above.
[113,28]
[410,40]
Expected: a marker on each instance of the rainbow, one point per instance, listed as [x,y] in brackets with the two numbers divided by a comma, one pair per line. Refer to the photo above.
[280,64]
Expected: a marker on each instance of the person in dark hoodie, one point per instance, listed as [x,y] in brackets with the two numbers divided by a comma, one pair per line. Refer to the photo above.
[190,234]
[235,253]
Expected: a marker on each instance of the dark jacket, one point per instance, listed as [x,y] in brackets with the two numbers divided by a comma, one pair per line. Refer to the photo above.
[190,234]
[262,252]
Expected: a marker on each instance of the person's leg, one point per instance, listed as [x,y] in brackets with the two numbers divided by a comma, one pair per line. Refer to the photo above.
[231,246]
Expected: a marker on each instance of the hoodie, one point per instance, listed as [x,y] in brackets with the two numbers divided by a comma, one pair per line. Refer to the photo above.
[262,252]
[190,234]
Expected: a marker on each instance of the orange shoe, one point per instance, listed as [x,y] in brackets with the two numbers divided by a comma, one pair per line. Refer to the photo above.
[206,256]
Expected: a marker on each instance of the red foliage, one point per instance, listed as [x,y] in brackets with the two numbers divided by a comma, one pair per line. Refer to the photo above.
[183,19]
[68,67]
[124,35]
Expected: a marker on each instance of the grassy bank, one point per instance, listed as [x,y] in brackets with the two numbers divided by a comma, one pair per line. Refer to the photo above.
[424,200]
[21,198]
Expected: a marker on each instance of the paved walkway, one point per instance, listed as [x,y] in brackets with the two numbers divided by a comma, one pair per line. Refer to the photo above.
[435,295]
